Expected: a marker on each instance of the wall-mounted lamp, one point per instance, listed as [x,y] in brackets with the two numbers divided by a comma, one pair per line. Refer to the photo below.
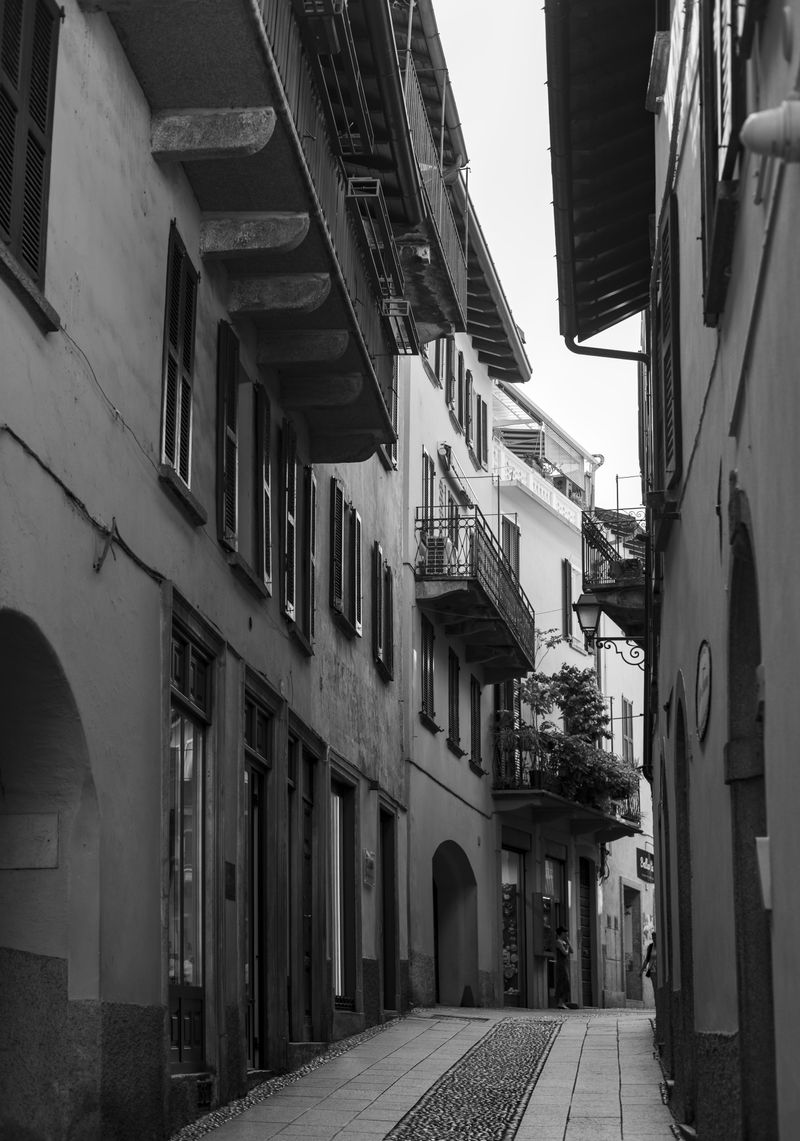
[589,610]
[774,132]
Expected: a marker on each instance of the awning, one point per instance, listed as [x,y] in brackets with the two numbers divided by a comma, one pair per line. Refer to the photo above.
[603,158]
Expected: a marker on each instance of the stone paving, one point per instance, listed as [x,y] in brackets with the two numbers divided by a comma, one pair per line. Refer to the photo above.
[442,1074]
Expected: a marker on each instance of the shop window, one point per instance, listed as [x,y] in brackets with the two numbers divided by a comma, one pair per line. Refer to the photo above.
[343,878]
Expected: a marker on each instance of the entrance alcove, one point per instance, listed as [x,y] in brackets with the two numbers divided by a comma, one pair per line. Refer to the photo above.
[49,895]
[455,924]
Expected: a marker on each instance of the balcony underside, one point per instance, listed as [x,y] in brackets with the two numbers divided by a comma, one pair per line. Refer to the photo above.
[200,66]
[543,807]
[625,606]
[465,611]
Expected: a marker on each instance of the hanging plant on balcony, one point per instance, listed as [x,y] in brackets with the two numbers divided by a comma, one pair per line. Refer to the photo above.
[538,753]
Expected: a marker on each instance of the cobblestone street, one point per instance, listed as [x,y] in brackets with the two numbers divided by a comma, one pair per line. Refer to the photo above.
[587,1075]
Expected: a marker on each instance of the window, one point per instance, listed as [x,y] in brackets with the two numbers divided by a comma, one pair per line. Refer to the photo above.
[627,730]
[468,399]
[666,357]
[189,721]
[453,726]
[509,539]
[428,484]
[289,515]
[570,593]
[227,436]
[722,79]
[309,592]
[508,703]
[178,378]
[427,711]
[343,927]
[460,390]
[28,43]
[481,431]
[382,613]
[393,411]
[475,721]
[263,486]
[439,360]
[346,595]
[450,371]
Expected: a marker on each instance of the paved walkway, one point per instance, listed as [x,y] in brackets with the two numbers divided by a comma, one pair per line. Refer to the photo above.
[447,1074]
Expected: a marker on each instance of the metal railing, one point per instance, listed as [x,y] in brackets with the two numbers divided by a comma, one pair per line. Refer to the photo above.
[457,543]
[324,167]
[608,560]
[441,211]
[537,770]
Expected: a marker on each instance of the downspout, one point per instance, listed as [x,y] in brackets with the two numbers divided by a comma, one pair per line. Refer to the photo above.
[616,354]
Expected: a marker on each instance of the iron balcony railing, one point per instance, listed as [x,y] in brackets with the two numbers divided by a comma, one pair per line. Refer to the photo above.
[441,211]
[324,165]
[536,770]
[613,548]
[457,543]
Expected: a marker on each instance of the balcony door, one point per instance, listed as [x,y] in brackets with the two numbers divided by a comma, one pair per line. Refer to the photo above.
[514,948]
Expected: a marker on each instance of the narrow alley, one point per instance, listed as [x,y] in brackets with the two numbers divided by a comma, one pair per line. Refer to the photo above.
[482,1075]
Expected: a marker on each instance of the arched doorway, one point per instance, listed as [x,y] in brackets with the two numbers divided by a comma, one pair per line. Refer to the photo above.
[455,926]
[49,894]
[745,775]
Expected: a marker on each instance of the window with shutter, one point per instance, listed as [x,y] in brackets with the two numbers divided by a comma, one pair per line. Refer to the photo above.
[667,394]
[263,486]
[28,47]
[337,545]
[567,613]
[426,669]
[475,720]
[428,486]
[355,582]
[509,540]
[388,621]
[450,372]
[289,520]
[179,331]
[310,555]
[227,435]
[394,410]
[722,57]
[378,632]
[453,685]
[460,394]
[468,399]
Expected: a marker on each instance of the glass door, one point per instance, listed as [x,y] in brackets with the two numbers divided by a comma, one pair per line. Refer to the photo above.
[514,958]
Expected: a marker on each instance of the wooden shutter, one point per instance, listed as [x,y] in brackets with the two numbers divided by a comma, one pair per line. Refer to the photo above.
[510,543]
[426,666]
[566,597]
[668,410]
[179,333]
[337,545]
[450,371]
[263,486]
[227,435]
[460,405]
[468,397]
[289,520]
[28,48]
[356,584]
[378,631]
[727,68]
[394,410]
[310,546]
[388,619]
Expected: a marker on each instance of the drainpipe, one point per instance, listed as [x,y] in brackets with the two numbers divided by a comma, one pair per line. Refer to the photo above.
[616,354]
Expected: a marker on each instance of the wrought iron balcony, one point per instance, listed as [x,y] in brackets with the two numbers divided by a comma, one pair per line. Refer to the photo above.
[465,579]
[614,557]
[538,782]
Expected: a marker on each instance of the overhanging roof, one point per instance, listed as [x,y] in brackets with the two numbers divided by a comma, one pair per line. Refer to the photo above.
[603,158]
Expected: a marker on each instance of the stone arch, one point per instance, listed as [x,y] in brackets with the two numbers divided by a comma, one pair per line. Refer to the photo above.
[745,773]
[455,920]
[49,890]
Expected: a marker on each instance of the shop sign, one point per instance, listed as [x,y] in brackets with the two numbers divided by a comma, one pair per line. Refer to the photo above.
[645,866]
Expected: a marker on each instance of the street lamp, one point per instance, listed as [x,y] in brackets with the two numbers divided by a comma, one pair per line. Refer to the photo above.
[589,610]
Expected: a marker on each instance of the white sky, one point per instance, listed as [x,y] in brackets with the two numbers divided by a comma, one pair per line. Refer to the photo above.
[495,51]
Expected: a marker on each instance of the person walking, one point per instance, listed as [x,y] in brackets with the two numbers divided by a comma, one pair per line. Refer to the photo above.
[563,952]
[648,967]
